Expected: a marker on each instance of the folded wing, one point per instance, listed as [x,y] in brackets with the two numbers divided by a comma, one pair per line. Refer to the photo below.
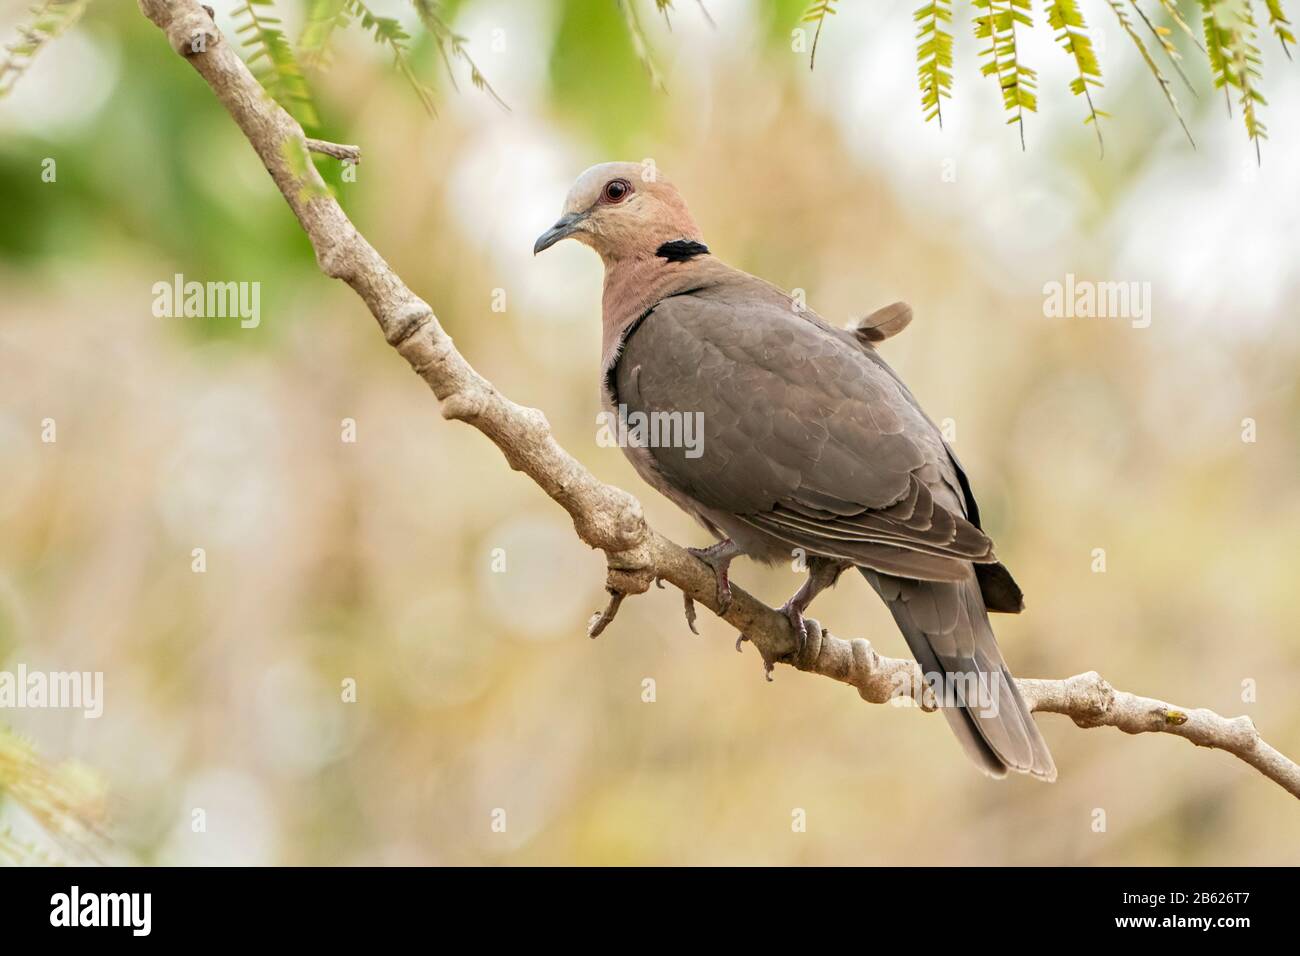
[805,436]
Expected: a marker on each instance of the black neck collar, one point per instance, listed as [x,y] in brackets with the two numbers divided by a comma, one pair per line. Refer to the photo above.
[681,250]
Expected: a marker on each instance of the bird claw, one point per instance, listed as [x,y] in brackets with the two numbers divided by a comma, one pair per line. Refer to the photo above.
[601,619]
[768,662]
[810,632]
[690,612]
[794,614]
[718,557]
[804,628]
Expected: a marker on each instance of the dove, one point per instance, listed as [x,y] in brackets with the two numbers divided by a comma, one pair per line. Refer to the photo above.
[811,445]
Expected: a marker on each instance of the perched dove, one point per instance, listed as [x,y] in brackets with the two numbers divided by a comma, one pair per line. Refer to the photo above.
[810,441]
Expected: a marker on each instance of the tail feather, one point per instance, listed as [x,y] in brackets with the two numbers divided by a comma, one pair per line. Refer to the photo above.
[947,627]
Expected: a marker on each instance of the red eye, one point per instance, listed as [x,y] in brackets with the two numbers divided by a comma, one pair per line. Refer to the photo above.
[616,190]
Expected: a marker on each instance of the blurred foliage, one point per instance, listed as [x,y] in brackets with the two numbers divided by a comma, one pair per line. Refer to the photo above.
[67,803]
[48,19]
[373,561]
[1230,49]
[271,50]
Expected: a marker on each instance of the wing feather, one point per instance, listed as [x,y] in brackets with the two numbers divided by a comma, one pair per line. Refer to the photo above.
[805,436]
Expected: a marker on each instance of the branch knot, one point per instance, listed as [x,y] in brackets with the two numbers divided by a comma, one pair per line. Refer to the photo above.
[410,319]
[1090,698]
[190,32]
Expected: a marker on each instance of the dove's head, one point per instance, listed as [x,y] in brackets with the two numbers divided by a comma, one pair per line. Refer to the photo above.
[623,211]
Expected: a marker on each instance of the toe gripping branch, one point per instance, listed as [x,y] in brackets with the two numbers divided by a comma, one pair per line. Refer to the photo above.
[629,572]
[633,571]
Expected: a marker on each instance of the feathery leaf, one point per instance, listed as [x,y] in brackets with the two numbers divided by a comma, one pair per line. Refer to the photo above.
[934,56]
[640,45]
[323,18]
[1235,59]
[451,45]
[1162,36]
[1065,17]
[1171,8]
[817,13]
[995,21]
[1280,24]
[273,60]
[388,32]
[48,20]
[1165,86]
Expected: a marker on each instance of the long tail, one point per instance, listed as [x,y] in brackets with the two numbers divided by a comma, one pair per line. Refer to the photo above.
[947,627]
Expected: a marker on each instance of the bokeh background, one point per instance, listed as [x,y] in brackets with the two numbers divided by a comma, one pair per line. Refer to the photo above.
[373,561]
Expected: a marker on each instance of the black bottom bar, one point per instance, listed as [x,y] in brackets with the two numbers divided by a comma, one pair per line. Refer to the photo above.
[333,906]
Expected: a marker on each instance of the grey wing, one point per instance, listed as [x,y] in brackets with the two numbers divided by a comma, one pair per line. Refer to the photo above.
[804,436]
[998,587]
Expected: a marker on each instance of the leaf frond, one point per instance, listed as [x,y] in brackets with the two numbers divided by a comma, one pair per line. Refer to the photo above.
[995,21]
[1280,24]
[48,20]
[1127,25]
[273,60]
[1066,18]
[640,45]
[1235,59]
[1171,8]
[388,32]
[452,46]
[322,19]
[934,56]
[817,13]
[1162,37]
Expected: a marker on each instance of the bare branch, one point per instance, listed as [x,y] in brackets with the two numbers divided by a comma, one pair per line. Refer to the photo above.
[603,516]
[350,154]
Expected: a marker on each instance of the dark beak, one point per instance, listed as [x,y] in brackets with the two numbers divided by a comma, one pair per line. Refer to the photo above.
[566,227]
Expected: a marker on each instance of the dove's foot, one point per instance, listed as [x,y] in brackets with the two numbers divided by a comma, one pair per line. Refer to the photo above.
[719,557]
[793,612]
[822,574]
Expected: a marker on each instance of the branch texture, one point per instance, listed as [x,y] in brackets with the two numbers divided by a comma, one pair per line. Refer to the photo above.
[606,517]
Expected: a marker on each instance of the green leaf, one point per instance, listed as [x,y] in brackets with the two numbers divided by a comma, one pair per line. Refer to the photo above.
[817,13]
[934,56]
[1161,35]
[388,32]
[995,21]
[1235,60]
[1280,24]
[451,45]
[323,18]
[1065,17]
[280,74]
[1165,88]
[641,45]
[48,20]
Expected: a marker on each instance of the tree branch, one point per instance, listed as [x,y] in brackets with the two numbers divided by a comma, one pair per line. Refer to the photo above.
[351,154]
[603,516]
